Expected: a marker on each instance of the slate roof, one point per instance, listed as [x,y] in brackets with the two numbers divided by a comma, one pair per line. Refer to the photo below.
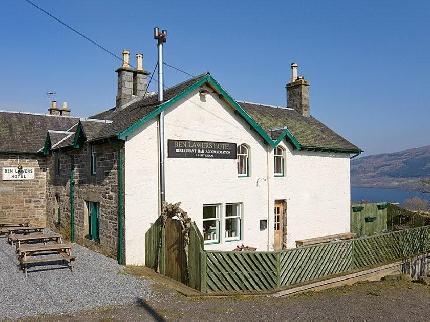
[26,132]
[311,133]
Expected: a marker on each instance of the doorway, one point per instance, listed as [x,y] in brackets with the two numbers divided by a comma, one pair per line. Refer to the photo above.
[280,224]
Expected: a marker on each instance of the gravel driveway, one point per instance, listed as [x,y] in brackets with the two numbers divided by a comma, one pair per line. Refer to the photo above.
[96,281]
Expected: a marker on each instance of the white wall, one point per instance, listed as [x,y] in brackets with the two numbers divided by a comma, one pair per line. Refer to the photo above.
[316,185]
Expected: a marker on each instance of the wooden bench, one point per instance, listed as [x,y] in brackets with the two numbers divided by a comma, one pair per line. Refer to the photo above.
[23,230]
[28,254]
[19,239]
[324,239]
[5,226]
[14,224]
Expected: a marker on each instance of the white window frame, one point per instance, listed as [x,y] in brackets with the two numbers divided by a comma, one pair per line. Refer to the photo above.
[93,162]
[239,216]
[218,223]
[246,157]
[276,155]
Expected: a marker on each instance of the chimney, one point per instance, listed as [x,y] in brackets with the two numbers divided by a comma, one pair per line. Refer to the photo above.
[140,77]
[125,81]
[298,93]
[65,111]
[53,110]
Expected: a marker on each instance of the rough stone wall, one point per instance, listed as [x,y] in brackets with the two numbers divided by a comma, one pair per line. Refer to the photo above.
[102,188]
[298,96]
[24,200]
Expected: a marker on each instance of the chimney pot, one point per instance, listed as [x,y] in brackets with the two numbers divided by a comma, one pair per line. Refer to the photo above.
[294,67]
[126,59]
[139,59]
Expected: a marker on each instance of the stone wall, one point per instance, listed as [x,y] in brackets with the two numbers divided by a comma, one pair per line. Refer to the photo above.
[23,200]
[102,188]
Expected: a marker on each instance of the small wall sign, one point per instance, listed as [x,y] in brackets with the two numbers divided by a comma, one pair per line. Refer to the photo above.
[15,173]
[201,149]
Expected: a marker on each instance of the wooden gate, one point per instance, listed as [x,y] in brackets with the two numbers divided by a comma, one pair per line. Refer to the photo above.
[175,257]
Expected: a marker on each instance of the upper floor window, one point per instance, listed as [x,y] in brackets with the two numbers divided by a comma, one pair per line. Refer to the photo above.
[93,160]
[243,160]
[279,161]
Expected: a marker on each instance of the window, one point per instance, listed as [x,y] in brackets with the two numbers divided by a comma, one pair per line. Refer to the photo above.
[93,209]
[93,160]
[233,221]
[243,160]
[211,223]
[57,163]
[279,161]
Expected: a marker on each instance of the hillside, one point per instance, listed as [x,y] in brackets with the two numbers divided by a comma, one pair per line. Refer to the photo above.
[409,169]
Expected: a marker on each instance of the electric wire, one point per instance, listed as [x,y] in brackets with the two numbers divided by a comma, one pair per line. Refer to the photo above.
[92,41]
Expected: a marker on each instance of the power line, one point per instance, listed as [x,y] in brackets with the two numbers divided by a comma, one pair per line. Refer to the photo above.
[96,43]
[73,29]
[178,69]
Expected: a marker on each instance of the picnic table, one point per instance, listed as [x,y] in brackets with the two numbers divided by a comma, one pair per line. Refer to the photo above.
[5,226]
[38,237]
[13,224]
[30,254]
[23,230]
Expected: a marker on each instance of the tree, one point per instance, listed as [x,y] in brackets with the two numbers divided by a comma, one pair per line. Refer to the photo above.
[416,204]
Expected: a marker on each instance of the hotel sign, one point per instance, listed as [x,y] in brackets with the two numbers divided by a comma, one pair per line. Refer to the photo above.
[201,149]
[15,173]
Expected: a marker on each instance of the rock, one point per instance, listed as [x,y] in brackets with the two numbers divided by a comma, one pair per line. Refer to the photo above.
[397,277]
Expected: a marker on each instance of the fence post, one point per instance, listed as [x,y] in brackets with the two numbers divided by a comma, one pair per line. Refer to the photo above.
[203,272]
[278,269]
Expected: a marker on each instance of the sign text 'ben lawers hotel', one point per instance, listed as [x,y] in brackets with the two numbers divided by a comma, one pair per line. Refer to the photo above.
[201,149]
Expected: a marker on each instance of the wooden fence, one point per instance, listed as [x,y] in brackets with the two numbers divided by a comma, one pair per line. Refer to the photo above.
[233,271]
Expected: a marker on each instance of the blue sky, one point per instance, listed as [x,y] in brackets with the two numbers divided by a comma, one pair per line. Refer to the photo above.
[368,62]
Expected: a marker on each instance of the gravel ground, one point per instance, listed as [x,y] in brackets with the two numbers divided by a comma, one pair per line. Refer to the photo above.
[379,301]
[96,281]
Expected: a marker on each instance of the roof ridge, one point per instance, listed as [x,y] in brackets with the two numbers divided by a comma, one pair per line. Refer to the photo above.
[66,137]
[39,114]
[267,105]
[60,132]
[84,119]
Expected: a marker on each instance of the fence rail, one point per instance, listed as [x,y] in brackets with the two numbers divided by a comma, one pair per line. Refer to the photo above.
[224,271]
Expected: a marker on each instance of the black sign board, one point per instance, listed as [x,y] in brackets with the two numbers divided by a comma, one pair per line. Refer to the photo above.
[201,149]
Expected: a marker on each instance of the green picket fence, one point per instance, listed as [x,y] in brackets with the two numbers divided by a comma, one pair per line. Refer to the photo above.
[233,271]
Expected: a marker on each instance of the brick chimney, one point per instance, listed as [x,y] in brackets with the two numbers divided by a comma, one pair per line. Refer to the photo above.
[298,93]
[53,110]
[140,77]
[125,81]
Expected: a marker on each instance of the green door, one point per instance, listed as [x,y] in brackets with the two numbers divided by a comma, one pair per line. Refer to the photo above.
[94,220]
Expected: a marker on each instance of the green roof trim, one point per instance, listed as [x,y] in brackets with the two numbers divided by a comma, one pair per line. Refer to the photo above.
[47,146]
[79,136]
[209,80]
[287,134]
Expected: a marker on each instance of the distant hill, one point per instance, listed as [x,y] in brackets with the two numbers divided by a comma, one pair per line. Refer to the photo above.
[409,169]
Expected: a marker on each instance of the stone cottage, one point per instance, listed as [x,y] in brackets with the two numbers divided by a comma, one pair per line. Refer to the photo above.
[246,173]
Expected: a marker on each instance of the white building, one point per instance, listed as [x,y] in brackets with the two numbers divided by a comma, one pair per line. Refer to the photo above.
[289,181]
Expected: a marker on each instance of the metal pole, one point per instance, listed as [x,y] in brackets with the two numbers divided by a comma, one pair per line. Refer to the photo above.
[161,38]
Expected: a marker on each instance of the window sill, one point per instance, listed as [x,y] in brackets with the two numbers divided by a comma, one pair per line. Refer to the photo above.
[279,175]
[243,176]
[232,240]
[211,242]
